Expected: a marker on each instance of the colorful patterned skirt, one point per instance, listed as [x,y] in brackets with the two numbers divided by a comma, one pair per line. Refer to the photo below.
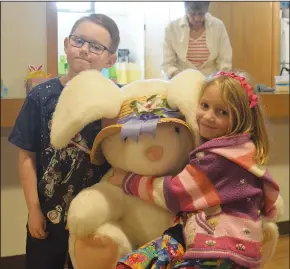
[167,253]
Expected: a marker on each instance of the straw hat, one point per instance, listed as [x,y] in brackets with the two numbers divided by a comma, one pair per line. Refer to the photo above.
[138,115]
[90,96]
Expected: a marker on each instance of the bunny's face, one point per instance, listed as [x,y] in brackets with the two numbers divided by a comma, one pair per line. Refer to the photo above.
[165,154]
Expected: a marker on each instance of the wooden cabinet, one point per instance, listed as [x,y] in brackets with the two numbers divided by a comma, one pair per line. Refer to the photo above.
[10,109]
[275,105]
[254,31]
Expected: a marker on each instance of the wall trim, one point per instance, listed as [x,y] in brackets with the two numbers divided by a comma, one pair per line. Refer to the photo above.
[284,227]
[15,262]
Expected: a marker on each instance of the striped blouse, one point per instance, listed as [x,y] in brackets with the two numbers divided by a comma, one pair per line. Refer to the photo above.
[197,52]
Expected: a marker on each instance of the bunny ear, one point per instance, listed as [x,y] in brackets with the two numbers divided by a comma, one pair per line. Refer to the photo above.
[31,68]
[184,89]
[183,94]
[39,67]
[86,98]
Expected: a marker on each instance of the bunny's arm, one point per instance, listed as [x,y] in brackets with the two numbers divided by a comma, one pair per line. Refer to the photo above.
[93,207]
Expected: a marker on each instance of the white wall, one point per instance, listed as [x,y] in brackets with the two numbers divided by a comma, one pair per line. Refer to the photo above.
[23,42]
[284,44]
[156,19]
[13,207]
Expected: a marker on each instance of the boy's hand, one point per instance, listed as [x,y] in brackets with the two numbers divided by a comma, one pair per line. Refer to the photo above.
[37,224]
[117,178]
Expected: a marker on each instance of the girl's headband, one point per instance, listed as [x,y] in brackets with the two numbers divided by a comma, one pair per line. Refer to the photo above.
[253,98]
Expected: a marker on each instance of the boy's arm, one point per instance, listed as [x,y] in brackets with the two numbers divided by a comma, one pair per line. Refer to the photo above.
[26,136]
[189,191]
[28,178]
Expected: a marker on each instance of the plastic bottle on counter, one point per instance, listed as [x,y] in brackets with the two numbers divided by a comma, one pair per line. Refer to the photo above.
[61,65]
[113,73]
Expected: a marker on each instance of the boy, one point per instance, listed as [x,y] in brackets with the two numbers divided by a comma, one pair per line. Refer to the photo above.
[51,178]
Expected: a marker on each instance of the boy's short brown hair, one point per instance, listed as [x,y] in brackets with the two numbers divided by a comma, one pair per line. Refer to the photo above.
[105,22]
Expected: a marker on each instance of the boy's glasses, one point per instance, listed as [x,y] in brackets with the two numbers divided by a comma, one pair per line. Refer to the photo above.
[94,47]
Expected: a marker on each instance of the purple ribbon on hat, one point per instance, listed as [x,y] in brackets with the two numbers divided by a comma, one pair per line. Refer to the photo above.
[135,125]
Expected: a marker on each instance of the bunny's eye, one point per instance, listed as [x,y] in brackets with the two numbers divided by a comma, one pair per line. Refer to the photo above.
[177,130]
[125,139]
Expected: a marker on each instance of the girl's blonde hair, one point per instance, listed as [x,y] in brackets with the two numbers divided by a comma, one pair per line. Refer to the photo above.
[243,118]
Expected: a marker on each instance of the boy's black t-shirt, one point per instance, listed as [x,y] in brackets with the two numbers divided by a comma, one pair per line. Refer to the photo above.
[61,174]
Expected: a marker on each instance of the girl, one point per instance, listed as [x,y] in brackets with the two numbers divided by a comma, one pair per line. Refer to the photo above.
[221,194]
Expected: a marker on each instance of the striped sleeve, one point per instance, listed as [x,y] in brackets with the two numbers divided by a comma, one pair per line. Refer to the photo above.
[189,191]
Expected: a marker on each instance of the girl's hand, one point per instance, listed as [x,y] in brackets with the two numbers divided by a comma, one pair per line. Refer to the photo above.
[118,177]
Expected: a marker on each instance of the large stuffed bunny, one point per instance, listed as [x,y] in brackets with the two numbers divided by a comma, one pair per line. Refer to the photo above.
[153,135]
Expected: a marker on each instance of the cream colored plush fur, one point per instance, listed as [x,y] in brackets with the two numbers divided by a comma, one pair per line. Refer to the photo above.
[271,233]
[187,99]
[83,103]
[103,210]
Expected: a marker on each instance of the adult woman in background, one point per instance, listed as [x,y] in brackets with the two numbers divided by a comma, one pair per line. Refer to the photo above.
[196,41]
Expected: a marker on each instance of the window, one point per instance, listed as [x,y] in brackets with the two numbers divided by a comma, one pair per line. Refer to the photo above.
[119,8]
[67,14]
[75,6]
[176,10]
[129,16]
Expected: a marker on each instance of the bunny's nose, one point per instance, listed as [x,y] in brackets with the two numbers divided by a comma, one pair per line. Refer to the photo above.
[154,153]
